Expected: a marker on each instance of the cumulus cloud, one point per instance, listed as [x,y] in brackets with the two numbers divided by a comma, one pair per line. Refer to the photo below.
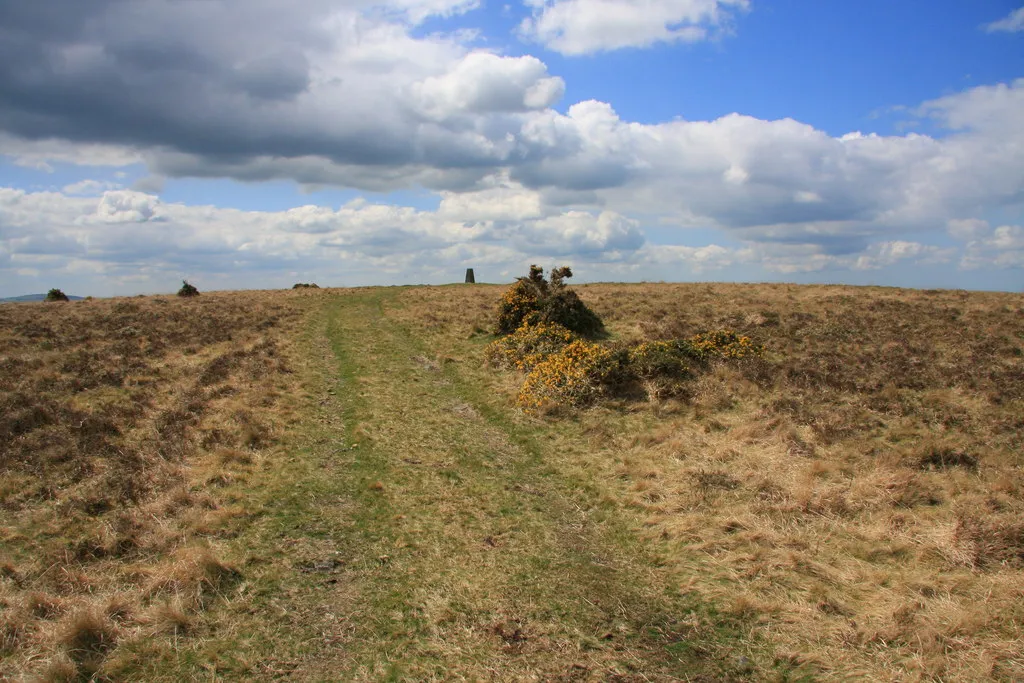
[124,206]
[967,229]
[1012,23]
[578,27]
[483,83]
[349,94]
[889,253]
[90,187]
[125,231]
[693,259]
[236,81]
[138,241]
[784,181]
[351,98]
[582,233]
[42,153]
[502,202]
[1001,248]
[1008,237]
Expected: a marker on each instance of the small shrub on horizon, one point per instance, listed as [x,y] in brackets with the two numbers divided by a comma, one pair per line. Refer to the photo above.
[187,289]
[56,295]
[305,285]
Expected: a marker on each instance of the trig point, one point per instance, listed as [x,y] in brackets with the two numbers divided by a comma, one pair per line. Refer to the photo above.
[469,276]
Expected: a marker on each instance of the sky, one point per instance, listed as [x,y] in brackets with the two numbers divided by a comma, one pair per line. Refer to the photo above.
[253,144]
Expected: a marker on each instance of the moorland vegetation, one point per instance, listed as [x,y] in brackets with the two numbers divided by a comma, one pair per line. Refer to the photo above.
[854,487]
[124,425]
[728,481]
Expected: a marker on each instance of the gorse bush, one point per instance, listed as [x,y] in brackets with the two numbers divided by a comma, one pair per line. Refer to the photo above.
[663,368]
[543,322]
[658,359]
[56,295]
[518,305]
[187,289]
[720,344]
[563,369]
[536,299]
[676,357]
[528,345]
[574,376]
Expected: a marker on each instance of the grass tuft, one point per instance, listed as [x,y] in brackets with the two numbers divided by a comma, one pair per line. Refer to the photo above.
[87,637]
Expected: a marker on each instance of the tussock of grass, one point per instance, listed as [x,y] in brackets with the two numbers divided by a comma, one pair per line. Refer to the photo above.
[194,575]
[61,669]
[171,616]
[87,637]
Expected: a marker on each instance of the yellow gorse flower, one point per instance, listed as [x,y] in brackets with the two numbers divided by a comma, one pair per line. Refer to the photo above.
[573,376]
[725,344]
[528,345]
[563,369]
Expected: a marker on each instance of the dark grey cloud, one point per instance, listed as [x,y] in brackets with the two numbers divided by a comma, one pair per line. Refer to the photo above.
[234,81]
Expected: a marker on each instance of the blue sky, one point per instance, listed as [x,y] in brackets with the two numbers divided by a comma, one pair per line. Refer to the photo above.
[257,143]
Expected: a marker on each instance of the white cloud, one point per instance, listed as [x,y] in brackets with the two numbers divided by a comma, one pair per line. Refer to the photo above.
[987,108]
[784,181]
[124,206]
[1012,23]
[693,259]
[577,27]
[581,233]
[137,241]
[1002,248]
[483,83]
[41,154]
[504,202]
[128,230]
[1008,237]
[884,254]
[357,100]
[351,94]
[967,229]
[90,187]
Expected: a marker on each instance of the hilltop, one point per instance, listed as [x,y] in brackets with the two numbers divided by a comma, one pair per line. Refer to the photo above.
[27,298]
[335,484]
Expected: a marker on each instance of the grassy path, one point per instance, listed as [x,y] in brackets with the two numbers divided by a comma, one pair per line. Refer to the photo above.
[471,557]
[411,530]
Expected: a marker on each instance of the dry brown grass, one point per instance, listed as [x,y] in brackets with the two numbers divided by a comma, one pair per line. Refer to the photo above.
[856,493]
[121,424]
[855,496]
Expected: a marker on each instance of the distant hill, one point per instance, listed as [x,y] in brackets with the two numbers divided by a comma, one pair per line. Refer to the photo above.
[33,297]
